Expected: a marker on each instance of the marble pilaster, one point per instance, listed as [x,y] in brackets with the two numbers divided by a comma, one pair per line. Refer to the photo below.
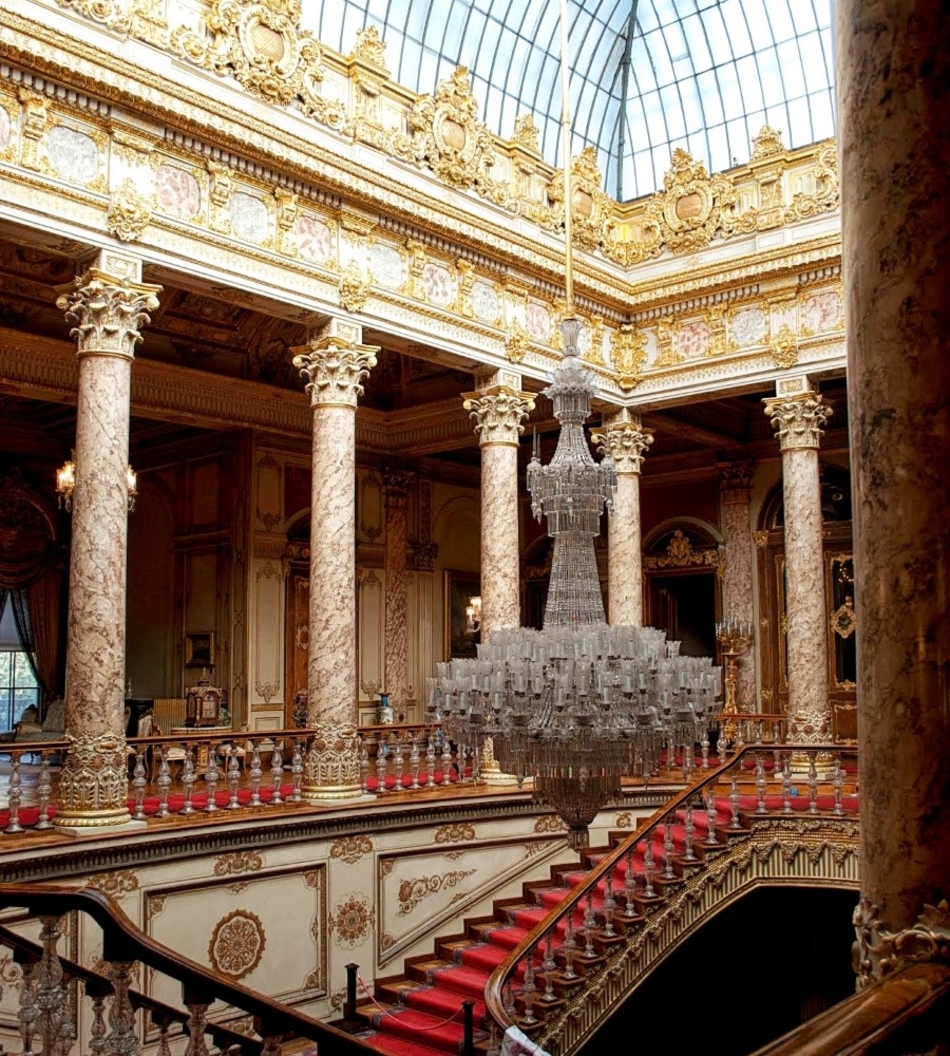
[624,439]
[498,412]
[108,304]
[334,362]
[798,414]
[735,492]
[894,111]
[395,486]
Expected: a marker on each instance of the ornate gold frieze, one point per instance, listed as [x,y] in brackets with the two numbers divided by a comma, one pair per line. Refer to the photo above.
[824,180]
[680,554]
[129,213]
[628,351]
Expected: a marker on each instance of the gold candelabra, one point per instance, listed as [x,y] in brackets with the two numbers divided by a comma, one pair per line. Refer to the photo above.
[734,637]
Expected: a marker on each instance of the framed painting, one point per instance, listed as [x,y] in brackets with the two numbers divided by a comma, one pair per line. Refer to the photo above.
[199,649]
[462,614]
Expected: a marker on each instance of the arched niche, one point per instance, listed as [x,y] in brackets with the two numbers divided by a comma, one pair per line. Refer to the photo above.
[681,565]
[841,620]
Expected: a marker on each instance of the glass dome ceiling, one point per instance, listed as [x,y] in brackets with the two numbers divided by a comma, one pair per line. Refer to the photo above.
[647,76]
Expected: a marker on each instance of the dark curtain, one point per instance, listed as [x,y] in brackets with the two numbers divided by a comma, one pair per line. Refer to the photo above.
[24,628]
[36,611]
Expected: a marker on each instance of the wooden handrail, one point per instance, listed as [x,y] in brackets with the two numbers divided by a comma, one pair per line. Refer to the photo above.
[221,1034]
[125,941]
[493,989]
[913,1000]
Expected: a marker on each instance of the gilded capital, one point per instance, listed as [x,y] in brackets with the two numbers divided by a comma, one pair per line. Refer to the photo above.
[626,443]
[498,413]
[107,311]
[798,420]
[334,370]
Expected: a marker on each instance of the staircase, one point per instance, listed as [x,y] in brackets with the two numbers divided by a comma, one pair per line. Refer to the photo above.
[622,904]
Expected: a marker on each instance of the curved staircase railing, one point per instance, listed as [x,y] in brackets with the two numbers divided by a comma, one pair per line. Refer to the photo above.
[782,813]
[47,1019]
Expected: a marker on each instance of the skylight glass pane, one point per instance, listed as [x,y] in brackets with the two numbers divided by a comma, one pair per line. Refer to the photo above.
[707,86]
[805,16]
[750,85]
[780,19]
[736,27]
[698,45]
[790,63]
[799,118]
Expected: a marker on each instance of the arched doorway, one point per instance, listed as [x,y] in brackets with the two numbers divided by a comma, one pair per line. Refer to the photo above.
[680,567]
[838,562]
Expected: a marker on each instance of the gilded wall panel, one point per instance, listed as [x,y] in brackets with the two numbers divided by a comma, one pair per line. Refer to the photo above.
[266,647]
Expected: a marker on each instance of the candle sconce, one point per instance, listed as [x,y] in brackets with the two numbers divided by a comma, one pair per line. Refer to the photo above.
[734,638]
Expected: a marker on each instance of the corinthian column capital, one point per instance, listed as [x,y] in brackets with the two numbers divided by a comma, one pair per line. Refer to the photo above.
[108,310]
[498,413]
[798,420]
[334,362]
[625,441]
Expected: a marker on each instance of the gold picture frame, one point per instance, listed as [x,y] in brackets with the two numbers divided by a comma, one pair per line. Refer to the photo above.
[199,649]
[458,641]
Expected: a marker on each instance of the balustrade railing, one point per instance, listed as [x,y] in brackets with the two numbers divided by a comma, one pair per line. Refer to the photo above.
[199,773]
[614,923]
[48,1021]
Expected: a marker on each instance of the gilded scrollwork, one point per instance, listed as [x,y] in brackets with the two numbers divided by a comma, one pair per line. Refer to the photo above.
[628,350]
[689,210]
[129,213]
[413,892]
[591,206]
[354,287]
[784,347]
[518,343]
[878,952]
[825,195]
[680,554]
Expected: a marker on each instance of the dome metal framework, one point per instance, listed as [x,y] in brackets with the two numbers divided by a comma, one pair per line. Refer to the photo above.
[648,76]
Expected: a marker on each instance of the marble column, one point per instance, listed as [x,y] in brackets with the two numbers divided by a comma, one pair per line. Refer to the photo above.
[334,362]
[108,303]
[798,414]
[738,603]
[396,489]
[894,112]
[498,411]
[624,439]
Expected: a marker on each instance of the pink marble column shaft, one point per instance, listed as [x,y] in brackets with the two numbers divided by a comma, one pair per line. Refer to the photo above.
[335,363]
[625,441]
[798,415]
[738,601]
[498,413]
[395,485]
[107,310]
[894,66]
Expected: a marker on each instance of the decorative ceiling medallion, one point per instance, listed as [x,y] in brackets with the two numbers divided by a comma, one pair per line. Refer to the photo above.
[259,42]
[448,135]
[237,944]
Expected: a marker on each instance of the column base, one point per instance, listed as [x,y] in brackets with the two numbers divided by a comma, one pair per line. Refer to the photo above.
[331,769]
[97,827]
[334,797]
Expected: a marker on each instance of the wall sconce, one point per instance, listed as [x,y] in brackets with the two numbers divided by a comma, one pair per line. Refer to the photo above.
[66,482]
[473,614]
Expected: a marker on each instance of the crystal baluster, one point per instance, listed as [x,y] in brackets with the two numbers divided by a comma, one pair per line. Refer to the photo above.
[256,773]
[704,748]
[44,791]
[364,766]
[164,1048]
[381,765]
[139,783]
[272,1046]
[28,1012]
[414,763]
[197,1021]
[234,779]
[494,1040]
[164,783]
[188,780]
[211,780]
[649,868]
[812,784]
[97,1031]
[610,907]
[668,872]
[569,947]
[277,775]
[689,827]
[121,1038]
[508,1000]
[430,764]
[787,786]
[446,761]
[838,781]
[51,994]
[296,771]
[528,990]
[760,784]
[712,817]
[15,796]
[734,799]
[549,966]
[397,765]
[629,886]
[590,924]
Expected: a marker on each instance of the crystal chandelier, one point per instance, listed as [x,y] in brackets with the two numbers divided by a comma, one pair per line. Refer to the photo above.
[580,704]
